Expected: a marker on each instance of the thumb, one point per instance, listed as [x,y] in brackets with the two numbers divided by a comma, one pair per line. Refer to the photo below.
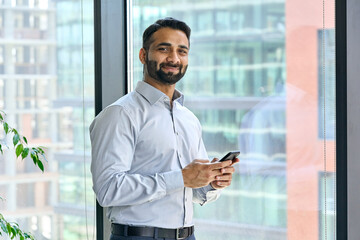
[214,160]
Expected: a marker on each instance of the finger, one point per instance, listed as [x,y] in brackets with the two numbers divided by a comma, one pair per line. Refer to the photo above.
[227,170]
[215,173]
[236,160]
[214,160]
[201,161]
[215,185]
[218,175]
[227,177]
[220,165]
[223,183]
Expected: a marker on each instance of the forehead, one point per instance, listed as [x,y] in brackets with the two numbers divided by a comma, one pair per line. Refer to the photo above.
[169,35]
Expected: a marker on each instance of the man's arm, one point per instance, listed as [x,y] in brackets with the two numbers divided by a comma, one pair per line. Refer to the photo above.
[211,192]
[113,137]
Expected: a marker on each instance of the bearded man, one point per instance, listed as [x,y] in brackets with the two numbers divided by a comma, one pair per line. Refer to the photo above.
[149,163]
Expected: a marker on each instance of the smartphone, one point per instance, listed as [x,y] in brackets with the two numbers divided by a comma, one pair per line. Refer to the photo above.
[230,156]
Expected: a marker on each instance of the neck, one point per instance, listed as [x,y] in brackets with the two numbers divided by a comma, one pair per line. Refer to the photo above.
[167,89]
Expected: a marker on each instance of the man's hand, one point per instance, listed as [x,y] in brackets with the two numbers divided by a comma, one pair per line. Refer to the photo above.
[224,180]
[200,173]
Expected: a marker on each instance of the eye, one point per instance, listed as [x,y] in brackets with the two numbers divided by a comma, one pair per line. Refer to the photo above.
[183,52]
[162,49]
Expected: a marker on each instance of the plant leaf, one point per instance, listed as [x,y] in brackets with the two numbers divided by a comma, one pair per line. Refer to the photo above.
[25,153]
[1,149]
[40,164]
[8,228]
[6,127]
[3,225]
[16,139]
[19,150]
[25,140]
[13,231]
[33,156]
[41,150]
[1,117]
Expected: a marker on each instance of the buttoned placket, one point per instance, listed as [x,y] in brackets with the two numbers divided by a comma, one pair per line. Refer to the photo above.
[177,136]
[180,158]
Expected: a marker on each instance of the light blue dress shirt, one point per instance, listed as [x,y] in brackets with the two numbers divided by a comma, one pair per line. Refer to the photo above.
[139,146]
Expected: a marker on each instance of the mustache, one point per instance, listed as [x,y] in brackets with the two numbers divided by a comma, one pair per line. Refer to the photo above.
[170,65]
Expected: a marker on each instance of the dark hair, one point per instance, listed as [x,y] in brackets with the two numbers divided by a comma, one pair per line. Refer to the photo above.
[163,23]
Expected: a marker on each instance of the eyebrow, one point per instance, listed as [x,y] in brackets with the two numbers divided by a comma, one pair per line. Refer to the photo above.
[169,45]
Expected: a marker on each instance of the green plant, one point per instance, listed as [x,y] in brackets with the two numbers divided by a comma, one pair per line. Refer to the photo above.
[22,150]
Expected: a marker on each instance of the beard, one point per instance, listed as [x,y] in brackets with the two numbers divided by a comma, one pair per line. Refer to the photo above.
[159,75]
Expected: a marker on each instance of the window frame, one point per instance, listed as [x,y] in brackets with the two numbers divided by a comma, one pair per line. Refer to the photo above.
[110,49]
[108,89]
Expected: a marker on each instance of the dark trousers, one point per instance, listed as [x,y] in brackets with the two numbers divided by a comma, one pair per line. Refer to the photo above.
[115,237]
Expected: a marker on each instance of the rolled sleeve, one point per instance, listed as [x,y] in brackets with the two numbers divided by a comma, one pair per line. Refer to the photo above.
[205,194]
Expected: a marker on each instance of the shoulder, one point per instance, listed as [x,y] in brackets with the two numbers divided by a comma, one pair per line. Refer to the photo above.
[119,111]
[127,102]
[131,104]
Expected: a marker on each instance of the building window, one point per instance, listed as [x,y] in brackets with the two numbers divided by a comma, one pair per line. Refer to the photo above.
[252,82]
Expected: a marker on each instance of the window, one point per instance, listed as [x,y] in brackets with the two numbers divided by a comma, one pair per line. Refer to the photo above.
[253,83]
[46,89]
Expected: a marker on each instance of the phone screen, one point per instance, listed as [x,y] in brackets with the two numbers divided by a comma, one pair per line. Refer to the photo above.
[230,156]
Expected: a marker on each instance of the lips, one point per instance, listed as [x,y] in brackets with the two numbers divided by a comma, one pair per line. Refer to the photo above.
[170,67]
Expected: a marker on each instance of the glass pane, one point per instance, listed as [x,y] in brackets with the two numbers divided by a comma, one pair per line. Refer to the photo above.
[261,79]
[46,91]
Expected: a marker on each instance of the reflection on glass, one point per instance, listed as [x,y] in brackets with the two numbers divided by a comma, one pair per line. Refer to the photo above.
[46,89]
[326,108]
[253,83]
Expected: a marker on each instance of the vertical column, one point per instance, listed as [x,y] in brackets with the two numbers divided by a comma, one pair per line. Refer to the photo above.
[110,65]
[53,82]
[353,114]
[10,105]
[8,20]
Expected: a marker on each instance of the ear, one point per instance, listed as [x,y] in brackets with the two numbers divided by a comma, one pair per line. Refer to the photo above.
[142,55]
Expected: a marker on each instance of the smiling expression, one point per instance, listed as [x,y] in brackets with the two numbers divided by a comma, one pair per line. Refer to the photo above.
[166,60]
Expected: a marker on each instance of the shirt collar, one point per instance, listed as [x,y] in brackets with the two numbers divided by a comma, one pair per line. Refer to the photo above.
[152,94]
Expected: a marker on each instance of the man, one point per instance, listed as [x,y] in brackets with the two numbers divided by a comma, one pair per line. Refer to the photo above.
[148,159]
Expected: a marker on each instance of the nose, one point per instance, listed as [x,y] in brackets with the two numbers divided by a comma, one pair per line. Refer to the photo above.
[173,57]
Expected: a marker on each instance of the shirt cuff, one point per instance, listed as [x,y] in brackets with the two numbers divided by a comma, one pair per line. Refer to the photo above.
[173,180]
[209,188]
[211,192]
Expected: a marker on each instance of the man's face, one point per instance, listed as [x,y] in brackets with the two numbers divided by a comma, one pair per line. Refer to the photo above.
[166,60]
